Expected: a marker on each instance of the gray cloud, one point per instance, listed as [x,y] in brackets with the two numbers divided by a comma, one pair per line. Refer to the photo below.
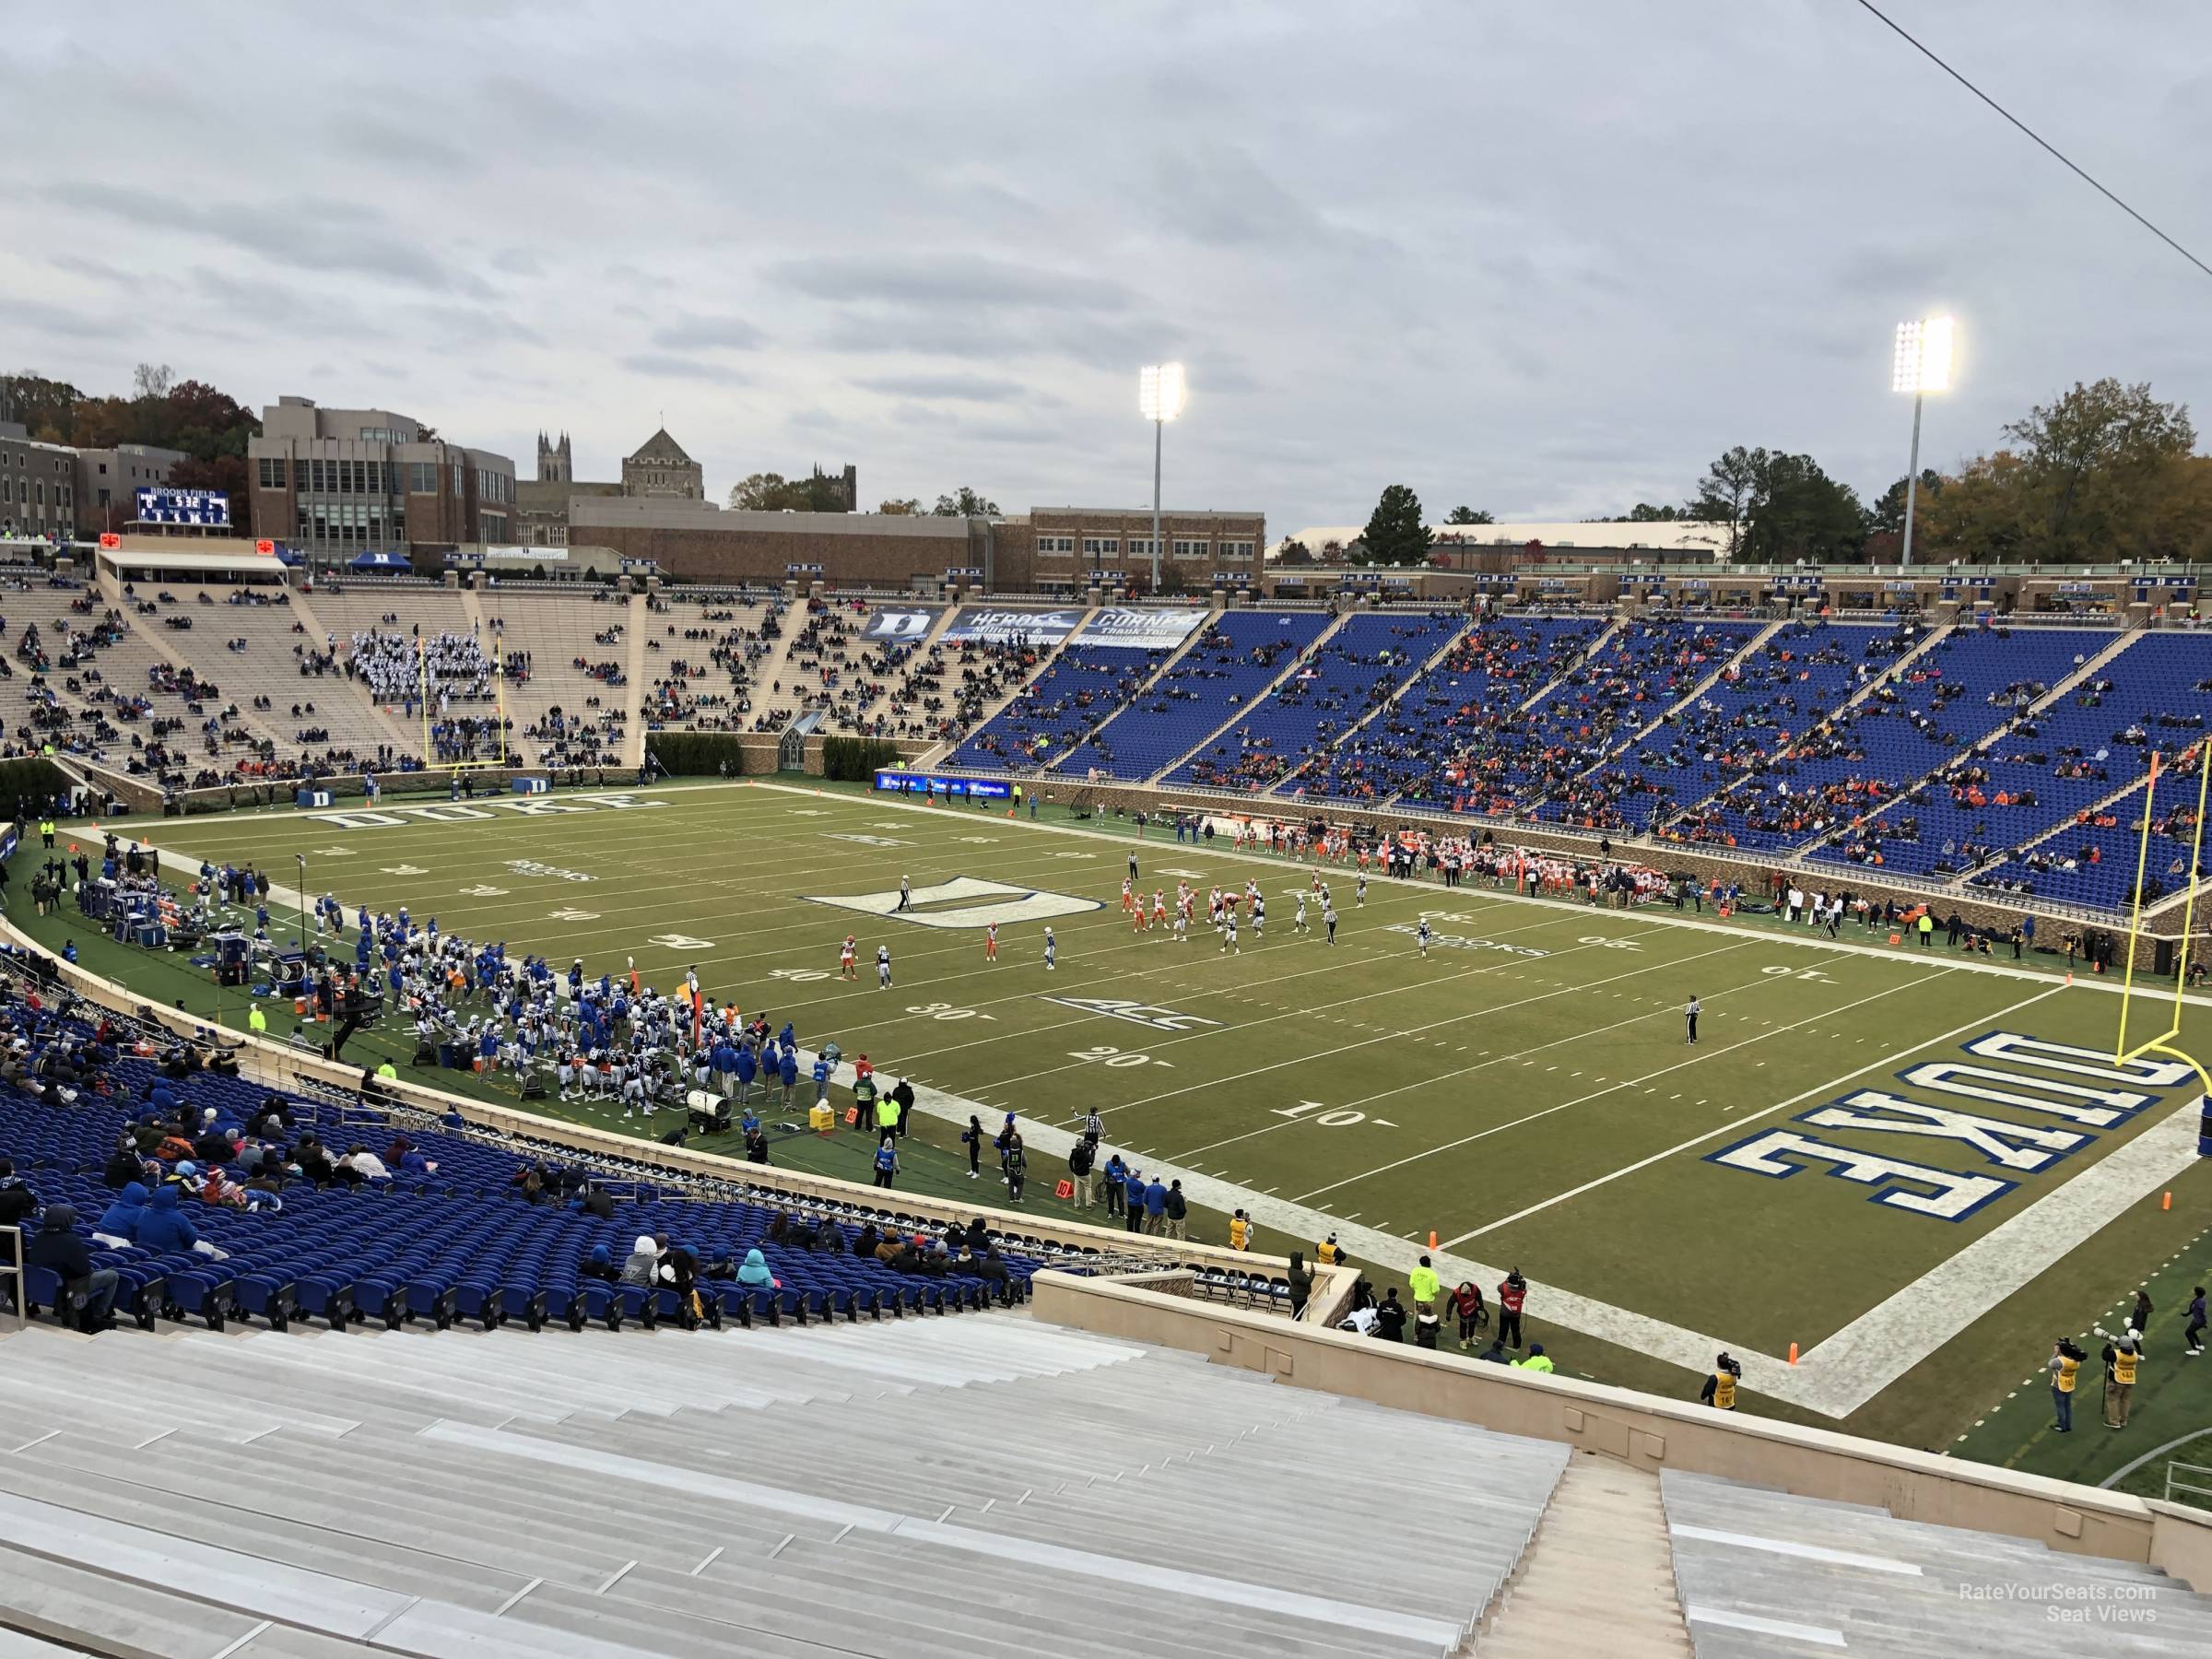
[656,365]
[688,331]
[948,281]
[308,233]
[1561,297]
[961,388]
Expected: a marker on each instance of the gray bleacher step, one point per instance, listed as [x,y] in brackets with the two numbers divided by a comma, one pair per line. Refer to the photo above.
[81,1608]
[666,1632]
[929,1577]
[14,1644]
[548,1515]
[470,1530]
[272,1538]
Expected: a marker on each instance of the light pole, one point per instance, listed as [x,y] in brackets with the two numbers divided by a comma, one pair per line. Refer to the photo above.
[299,908]
[1923,365]
[1161,395]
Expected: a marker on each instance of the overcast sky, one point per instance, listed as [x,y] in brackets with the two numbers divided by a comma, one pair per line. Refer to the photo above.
[1546,259]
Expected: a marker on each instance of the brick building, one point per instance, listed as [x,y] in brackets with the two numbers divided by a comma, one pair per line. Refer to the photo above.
[38,486]
[334,482]
[108,481]
[1075,545]
[695,541]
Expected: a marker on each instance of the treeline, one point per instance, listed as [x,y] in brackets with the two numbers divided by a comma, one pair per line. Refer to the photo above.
[210,427]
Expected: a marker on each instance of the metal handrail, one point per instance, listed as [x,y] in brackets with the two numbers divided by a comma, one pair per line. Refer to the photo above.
[12,1271]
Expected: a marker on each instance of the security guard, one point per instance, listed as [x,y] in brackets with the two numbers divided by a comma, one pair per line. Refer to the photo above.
[257,1022]
[1328,1251]
[1720,1388]
[1538,1360]
[46,831]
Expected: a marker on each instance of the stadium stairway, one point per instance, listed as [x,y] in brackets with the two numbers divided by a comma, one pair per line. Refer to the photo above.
[635,618]
[1293,661]
[1762,1573]
[1687,701]
[1824,852]
[1160,670]
[1596,1578]
[942,1490]
[1405,683]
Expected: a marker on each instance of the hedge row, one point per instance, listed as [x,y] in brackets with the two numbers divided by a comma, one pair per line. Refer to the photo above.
[697,754]
[855,759]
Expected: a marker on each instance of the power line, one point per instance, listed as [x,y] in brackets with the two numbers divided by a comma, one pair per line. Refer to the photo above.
[2038,139]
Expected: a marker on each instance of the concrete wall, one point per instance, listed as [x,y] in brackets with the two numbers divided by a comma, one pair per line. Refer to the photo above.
[1648,1431]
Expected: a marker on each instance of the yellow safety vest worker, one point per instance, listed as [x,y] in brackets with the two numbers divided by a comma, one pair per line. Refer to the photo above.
[256,1020]
[2066,1367]
[1240,1233]
[1723,1391]
[2123,1368]
[1536,1362]
[886,1113]
[1326,1254]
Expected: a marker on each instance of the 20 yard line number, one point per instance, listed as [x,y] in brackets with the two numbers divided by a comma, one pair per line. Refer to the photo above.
[1106,1055]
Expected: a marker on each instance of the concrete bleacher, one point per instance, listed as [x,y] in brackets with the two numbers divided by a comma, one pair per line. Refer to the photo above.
[1762,1573]
[984,1489]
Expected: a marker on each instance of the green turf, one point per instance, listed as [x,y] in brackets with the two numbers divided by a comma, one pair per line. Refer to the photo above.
[1534,1104]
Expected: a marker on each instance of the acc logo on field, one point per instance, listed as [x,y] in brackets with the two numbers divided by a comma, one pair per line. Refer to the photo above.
[1136,1013]
[963,902]
[867,841]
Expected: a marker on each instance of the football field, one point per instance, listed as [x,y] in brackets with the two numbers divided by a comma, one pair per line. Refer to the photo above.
[1881,1154]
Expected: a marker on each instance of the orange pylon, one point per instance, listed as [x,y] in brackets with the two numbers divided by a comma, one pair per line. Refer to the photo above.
[1793,1353]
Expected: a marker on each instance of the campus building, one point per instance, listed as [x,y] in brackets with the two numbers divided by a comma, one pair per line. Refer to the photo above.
[337,483]
[37,485]
[109,480]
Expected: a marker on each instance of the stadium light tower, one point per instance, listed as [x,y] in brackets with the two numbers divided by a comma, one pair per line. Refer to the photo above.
[1923,365]
[1161,394]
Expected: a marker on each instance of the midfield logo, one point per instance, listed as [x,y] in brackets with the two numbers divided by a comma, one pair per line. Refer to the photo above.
[964,901]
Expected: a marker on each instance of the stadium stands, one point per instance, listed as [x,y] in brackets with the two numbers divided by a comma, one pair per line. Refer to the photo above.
[1966,688]
[1350,674]
[1077,691]
[563,713]
[1600,705]
[1422,751]
[1232,659]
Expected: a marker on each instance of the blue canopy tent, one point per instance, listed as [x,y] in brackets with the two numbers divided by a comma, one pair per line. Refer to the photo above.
[380,561]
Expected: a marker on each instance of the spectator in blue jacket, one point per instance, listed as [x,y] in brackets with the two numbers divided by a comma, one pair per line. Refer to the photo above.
[58,1249]
[724,1058]
[1132,1193]
[1156,1207]
[787,1074]
[164,1229]
[119,1221]
[1116,1176]
[748,1069]
[821,1079]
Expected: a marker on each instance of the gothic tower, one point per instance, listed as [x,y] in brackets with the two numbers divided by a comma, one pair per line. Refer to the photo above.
[555,462]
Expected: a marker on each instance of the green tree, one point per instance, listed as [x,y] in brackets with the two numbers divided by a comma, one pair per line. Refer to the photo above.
[965,503]
[1887,515]
[1798,511]
[1644,512]
[1294,552]
[901,507]
[1394,533]
[1727,493]
[1468,515]
[771,492]
[2095,459]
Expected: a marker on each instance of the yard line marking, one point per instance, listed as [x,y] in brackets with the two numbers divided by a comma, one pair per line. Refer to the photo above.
[1597,1094]
[1979,1022]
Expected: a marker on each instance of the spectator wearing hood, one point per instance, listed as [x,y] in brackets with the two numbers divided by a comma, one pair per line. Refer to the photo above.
[754,1276]
[164,1229]
[17,1202]
[118,1223]
[58,1249]
[644,1262]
